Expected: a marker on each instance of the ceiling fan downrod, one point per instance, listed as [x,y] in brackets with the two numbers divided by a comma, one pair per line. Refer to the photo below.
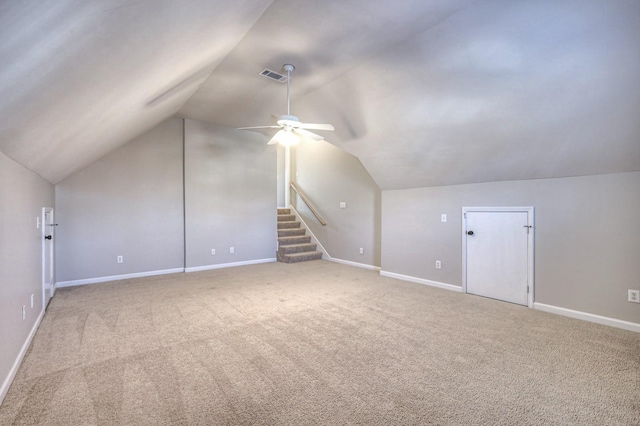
[288,68]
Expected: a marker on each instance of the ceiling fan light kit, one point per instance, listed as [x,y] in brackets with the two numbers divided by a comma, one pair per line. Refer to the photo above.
[291,128]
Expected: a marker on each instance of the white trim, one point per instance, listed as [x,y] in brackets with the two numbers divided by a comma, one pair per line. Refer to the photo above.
[51,278]
[230,265]
[117,277]
[437,284]
[530,244]
[287,175]
[354,264]
[612,322]
[16,364]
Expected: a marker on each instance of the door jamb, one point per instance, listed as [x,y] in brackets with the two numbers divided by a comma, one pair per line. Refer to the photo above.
[47,228]
[530,244]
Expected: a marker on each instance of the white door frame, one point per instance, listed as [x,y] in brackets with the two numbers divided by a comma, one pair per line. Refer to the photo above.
[530,244]
[47,228]
[287,176]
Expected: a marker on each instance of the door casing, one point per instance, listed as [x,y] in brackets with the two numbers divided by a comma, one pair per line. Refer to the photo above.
[48,281]
[530,244]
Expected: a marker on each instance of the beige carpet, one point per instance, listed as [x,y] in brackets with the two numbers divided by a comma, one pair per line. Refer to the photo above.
[315,343]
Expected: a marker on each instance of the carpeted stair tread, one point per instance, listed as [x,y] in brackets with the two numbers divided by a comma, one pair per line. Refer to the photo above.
[295,239]
[286,217]
[288,224]
[297,248]
[293,243]
[302,256]
[291,231]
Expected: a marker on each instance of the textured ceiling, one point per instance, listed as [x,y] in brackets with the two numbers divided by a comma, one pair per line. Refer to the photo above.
[424,92]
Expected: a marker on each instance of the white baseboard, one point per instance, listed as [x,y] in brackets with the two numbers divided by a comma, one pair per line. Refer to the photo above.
[230,265]
[324,251]
[16,364]
[612,322]
[356,264]
[421,281]
[117,277]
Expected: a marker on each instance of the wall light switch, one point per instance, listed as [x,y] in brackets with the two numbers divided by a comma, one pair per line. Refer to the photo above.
[443,217]
[361,250]
[343,204]
[32,301]
[213,251]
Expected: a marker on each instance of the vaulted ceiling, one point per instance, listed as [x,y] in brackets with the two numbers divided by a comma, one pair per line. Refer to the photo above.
[424,92]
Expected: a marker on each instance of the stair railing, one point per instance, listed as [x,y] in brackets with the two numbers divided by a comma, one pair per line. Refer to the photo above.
[307,202]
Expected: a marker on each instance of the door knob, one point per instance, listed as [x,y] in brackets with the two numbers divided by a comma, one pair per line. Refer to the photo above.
[48,237]
[469,232]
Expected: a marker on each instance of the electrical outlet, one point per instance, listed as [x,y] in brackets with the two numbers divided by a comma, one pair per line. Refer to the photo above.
[213,251]
[120,259]
[634,296]
[343,204]
[361,250]
[24,312]
[443,217]
[438,264]
[232,250]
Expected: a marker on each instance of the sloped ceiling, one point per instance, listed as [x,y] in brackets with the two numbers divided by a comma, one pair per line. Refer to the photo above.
[424,92]
[81,78]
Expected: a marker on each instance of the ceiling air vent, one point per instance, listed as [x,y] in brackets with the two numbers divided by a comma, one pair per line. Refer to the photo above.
[272,75]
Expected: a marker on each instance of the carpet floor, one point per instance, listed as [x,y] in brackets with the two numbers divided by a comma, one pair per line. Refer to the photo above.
[315,343]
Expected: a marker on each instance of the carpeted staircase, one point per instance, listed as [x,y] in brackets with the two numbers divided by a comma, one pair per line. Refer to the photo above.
[293,244]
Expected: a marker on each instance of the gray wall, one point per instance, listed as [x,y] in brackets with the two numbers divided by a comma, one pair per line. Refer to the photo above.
[328,175]
[135,202]
[587,236]
[23,194]
[128,203]
[230,195]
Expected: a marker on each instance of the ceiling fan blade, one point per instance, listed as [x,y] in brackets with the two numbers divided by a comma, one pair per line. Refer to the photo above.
[307,134]
[275,138]
[313,126]
[259,127]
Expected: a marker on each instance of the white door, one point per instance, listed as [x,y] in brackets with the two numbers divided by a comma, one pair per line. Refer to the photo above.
[48,227]
[499,253]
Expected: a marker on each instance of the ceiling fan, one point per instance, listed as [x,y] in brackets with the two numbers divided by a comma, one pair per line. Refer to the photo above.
[291,128]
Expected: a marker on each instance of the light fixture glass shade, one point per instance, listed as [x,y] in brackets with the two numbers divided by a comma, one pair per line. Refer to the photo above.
[287,138]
